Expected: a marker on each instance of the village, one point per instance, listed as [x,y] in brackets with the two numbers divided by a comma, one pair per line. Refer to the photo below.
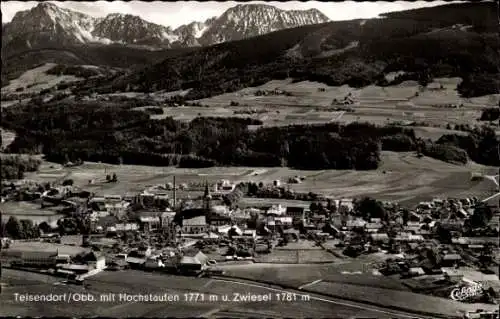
[434,248]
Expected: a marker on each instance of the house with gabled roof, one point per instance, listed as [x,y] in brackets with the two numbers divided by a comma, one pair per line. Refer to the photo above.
[195,225]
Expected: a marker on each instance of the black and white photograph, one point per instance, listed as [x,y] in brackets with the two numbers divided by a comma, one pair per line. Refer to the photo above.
[251,159]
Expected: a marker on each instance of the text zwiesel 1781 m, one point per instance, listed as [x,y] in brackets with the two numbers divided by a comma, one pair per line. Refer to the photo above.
[245,297]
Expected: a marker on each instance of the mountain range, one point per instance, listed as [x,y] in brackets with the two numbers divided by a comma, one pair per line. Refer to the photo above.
[47,24]
[249,45]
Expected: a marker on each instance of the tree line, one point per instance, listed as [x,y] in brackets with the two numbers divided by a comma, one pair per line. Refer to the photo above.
[114,133]
[19,229]
[14,167]
[75,70]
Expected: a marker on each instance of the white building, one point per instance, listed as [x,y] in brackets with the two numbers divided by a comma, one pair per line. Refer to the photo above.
[276,210]
[95,261]
[279,220]
[224,187]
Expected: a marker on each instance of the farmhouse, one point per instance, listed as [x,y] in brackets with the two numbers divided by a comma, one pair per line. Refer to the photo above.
[193,262]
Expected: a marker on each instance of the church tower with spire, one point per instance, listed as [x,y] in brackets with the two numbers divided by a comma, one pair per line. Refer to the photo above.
[207,201]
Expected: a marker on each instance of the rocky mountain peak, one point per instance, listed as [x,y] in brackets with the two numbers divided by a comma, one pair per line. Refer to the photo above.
[48,23]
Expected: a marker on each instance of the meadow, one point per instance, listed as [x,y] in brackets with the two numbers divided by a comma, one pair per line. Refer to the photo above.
[401,177]
[37,79]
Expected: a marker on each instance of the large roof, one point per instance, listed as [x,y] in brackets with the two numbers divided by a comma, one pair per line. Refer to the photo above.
[199,258]
[29,254]
[196,221]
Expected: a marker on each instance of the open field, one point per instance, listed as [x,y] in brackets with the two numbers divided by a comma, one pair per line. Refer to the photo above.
[401,177]
[148,283]
[307,93]
[380,105]
[354,272]
[37,79]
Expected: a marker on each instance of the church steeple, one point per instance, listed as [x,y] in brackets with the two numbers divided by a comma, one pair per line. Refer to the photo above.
[207,191]
[207,205]
[207,198]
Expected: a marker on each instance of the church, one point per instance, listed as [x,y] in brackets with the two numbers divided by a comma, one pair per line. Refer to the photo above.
[212,218]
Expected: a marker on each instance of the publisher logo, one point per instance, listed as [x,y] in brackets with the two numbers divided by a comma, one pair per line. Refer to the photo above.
[464,293]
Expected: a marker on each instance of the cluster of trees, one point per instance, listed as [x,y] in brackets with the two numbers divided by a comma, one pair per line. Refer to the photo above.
[260,191]
[445,152]
[490,114]
[481,217]
[481,145]
[234,197]
[154,110]
[75,70]
[368,208]
[72,226]
[19,229]
[14,167]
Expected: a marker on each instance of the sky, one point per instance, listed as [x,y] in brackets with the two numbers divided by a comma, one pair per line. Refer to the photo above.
[175,14]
